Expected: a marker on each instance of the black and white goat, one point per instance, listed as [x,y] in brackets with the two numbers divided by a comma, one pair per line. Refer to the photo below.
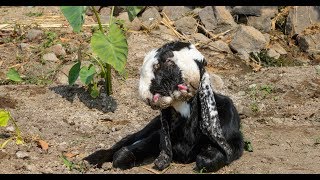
[195,123]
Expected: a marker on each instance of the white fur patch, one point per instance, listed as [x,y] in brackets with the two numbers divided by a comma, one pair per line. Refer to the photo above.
[183,108]
[146,75]
[185,61]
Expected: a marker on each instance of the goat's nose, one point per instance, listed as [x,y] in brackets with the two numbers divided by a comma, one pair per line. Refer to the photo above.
[156,97]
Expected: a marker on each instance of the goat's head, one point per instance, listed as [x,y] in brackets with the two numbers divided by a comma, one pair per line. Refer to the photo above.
[170,73]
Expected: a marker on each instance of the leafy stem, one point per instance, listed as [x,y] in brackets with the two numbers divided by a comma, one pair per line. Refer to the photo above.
[107,75]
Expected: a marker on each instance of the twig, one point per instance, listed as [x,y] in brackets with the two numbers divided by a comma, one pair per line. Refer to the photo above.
[151,170]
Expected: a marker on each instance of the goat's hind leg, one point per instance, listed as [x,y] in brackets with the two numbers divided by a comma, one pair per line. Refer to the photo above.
[128,156]
[106,155]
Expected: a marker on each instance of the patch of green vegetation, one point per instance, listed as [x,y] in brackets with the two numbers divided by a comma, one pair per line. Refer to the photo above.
[80,166]
[50,37]
[254,107]
[268,61]
[5,117]
[34,14]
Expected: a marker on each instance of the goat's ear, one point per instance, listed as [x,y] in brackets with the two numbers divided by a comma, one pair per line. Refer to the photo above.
[210,122]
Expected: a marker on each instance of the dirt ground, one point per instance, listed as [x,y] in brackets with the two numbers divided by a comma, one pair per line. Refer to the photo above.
[279,108]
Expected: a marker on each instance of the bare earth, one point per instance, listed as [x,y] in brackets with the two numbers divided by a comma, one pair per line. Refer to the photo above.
[283,125]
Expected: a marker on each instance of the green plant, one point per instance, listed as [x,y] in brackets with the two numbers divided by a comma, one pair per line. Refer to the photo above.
[72,165]
[5,116]
[109,50]
[50,37]
[35,14]
[248,146]
[254,107]
[13,75]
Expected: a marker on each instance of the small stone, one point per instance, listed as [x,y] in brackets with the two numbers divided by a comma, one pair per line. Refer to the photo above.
[252,86]
[50,57]
[62,147]
[150,18]
[107,166]
[24,46]
[175,12]
[58,50]
[10,129]
[34,34]
[241,93]
[31,167]
[22,155]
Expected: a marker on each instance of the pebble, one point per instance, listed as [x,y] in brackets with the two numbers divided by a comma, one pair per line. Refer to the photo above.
[22,155]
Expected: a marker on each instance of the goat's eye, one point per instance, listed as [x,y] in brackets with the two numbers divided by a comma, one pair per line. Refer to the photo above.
[156,66]
[169,62]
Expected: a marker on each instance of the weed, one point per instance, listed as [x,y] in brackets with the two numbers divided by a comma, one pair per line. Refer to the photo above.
[50,37]
[254,107]
[248,146]
[5,116]
[72,165]
[34,14]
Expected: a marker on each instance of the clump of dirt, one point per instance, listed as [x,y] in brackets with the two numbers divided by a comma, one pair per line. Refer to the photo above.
[7,102]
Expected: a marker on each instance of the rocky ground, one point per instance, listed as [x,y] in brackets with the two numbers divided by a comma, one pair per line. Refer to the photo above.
[266,58]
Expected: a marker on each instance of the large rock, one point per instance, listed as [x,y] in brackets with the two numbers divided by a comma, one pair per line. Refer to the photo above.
[251,10]
[186,25]
[217,19]
[301,17]
[263,22]
[175,12]
[277,47]
[310,43]
[219,46]
[247,39]
[201,38]
[150,18]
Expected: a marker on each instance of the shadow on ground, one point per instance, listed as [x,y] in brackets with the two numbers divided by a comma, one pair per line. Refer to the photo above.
[103,102]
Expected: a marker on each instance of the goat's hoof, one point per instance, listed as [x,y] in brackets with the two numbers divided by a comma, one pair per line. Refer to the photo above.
[162,162]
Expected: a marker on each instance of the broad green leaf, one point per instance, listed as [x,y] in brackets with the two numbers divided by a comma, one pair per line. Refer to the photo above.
[87,73]
[94,91]
[5,143]
[13,75]
[74,73]
[75,16]
[133,11]
[4,117]
[111,49]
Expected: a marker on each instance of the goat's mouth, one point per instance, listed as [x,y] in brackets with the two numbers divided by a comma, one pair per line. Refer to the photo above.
[182,93]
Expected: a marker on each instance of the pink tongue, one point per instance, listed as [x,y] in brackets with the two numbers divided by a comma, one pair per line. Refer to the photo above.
[182,87]
[156,97]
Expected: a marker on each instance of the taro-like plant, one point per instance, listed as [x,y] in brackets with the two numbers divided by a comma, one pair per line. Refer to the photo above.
[109,49]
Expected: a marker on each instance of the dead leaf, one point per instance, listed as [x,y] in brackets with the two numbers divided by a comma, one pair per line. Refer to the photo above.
[64,39]
[69,155]
[43,144]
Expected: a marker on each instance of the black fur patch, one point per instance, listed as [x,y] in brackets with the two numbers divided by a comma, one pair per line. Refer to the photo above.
[167,77]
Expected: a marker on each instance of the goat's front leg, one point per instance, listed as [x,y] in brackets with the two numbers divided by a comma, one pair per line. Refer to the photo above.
[165,157]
